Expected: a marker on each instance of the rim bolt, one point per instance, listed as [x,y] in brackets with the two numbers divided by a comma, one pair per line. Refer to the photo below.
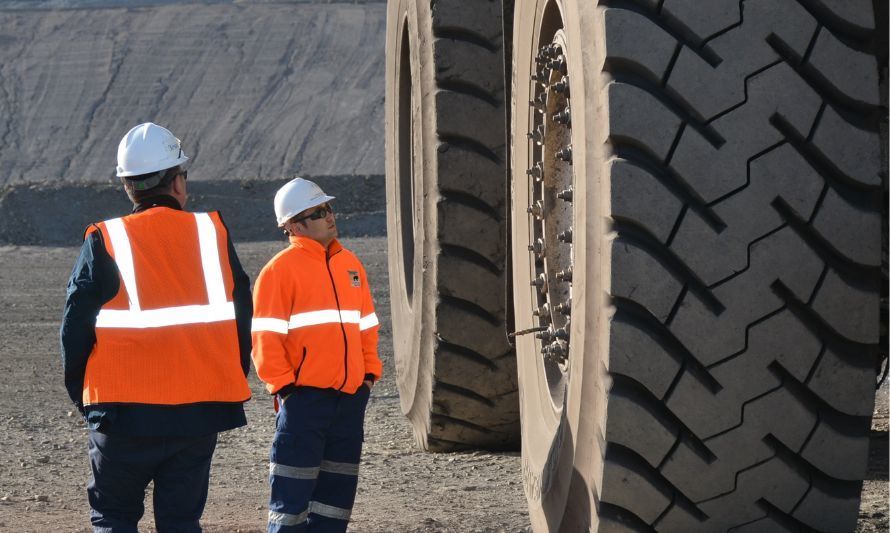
[537,135]
[564,308]
[558,64]
[562,87]
[565,195]
[564,118]
[537,246]
[543,311]
[565,236]
[536,171]
[557,351]
[565,275]
[565,154]
[545,335]
[562,334]
[541,98]
[540,282]
[535,211]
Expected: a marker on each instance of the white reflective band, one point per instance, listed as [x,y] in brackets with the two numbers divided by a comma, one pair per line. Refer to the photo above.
[323,509]
[347,469]
[213,278]
[123,256]
[368,322]
[169,316]
[217,310]
[285,519]
[294,472]
[327,316]
[269,324]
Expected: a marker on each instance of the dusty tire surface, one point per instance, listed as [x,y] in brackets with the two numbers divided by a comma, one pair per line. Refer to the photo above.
[727,224]
[445,142]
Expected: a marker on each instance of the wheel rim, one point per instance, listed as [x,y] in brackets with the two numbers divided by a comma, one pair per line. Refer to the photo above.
[551,217]
[406,158]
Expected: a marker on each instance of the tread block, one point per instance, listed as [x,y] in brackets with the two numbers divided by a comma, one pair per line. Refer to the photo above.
[828,509]
[748,297]
[844,226]
[463,225]
[470,281]
[653,54]
[851,311]
[469,117]
[703,18]
[635,353]
[483,20]
[638,195]
[644,279]
[628,483]
[840,382]
[638,118]
[856,12]
[462,169]
[840,454]
[851,72]
[714,255]
[639,427]
[712,90]
[715,172]
[474,371]
[464,327]
[775,481]
[854,152]
[468,63]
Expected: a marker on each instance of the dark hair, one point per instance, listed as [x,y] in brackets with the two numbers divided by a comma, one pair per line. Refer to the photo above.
[145,185]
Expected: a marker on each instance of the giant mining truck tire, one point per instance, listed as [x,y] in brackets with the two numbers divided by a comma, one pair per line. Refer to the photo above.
[696,246]
[446,216]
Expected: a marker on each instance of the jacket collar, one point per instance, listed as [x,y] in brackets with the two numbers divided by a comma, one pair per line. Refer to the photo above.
[314,247]
[161,200]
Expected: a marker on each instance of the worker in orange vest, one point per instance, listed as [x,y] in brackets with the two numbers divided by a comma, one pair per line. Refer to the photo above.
[315,347]
[155,342]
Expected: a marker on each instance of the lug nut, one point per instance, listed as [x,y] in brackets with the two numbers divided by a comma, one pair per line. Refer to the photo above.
[565,195]
[564,275]
[542,311]
[564,308]
[564,118]
[540,282]
[536,171]
[565,236]
[561,334]
[536,210]
[537,246]
[565,154]
[545,335]
[558,64]
[537,135]
[562,87]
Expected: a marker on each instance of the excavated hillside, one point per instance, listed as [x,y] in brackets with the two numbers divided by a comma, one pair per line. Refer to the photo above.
[257,91]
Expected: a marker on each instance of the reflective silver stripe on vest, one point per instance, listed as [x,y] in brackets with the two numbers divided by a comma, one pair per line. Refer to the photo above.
[368,322]
[286,519]
[294,472]
[349,469]
[217,310]
[123,256]
[275,325]
[323,509]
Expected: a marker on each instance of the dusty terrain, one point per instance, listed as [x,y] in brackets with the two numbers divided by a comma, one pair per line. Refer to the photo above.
[44,469]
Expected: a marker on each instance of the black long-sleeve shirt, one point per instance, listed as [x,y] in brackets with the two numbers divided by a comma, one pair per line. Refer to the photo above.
[95,281]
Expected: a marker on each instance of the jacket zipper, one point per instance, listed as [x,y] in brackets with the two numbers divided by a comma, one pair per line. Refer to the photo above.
[342,329]
[297,373]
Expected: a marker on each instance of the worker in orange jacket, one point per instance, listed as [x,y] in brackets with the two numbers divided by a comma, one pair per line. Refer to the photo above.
[155,342]
[315,346]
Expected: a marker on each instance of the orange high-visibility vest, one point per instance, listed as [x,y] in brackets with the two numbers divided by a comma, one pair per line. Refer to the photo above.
[169,335]
[314,322]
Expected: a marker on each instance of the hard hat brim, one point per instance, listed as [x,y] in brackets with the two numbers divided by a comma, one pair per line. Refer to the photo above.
[317,202]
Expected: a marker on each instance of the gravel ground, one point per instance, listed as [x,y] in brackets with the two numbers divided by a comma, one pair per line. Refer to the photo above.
[44,468]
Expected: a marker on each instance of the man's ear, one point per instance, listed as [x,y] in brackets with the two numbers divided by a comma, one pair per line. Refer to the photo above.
[178,185]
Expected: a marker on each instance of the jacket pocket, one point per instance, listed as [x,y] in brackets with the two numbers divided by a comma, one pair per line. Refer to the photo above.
[300,366]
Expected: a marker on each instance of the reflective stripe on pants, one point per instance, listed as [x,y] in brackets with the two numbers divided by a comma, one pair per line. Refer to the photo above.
[314,462]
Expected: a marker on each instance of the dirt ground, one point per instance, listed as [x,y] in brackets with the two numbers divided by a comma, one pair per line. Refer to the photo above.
[44,468]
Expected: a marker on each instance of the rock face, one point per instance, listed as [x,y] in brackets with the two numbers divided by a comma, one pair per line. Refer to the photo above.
[255,90]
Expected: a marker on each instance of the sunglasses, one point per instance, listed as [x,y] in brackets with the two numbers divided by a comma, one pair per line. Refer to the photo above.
[319,213]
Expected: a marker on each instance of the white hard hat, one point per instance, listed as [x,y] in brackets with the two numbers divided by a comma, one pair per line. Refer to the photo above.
[148,148]
[295,196]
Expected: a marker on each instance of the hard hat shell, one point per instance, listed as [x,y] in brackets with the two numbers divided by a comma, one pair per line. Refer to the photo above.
[295,196]
[148,148]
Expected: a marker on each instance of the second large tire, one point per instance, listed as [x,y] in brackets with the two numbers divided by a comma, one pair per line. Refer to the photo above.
[718,293]
[446,213]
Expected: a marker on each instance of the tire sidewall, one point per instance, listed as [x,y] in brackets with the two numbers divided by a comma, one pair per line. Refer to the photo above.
[561,448]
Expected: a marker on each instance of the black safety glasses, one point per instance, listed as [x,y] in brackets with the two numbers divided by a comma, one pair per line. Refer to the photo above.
[319,213]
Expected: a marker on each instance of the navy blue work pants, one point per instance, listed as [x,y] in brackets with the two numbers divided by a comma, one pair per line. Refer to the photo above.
[314,462]
[123,466]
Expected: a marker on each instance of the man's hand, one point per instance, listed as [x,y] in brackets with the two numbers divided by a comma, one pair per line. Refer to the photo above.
[369,383]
